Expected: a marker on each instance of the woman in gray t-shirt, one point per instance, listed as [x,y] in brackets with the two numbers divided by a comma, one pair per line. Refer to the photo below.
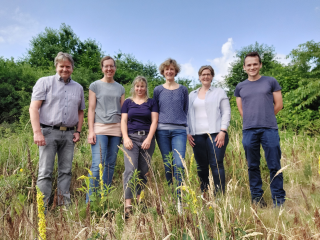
[105,101]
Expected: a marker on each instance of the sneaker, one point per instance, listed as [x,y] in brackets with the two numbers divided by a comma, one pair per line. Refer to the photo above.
[128,212]
[179,207]
[259,201]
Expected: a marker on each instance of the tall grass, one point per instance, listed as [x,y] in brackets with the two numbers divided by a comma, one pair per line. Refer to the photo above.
[217,217]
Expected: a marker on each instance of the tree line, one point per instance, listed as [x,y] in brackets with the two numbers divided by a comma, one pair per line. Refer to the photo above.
[300,79]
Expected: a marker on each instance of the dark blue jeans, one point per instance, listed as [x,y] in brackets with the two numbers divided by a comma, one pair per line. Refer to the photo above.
[169,141]
[109,151]
[207,154]
[270,141]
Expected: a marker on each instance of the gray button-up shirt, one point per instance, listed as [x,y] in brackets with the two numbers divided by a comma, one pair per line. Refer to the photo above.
[217,108]
[61,101]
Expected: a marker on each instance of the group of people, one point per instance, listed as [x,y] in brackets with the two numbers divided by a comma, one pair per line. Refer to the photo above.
[172,117]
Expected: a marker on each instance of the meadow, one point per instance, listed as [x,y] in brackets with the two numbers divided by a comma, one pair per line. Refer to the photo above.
[231,216]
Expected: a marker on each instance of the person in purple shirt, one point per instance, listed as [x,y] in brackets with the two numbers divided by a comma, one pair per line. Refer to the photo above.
[259,99]
[139,120]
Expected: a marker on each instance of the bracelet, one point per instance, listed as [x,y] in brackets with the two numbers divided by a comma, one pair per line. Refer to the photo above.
[224,131]
[78,132]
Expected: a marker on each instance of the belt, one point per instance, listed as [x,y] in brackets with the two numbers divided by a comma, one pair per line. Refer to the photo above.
[141,132]
[57,127]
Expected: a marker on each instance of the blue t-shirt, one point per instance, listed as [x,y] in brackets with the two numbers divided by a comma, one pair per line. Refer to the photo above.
[173,105]
[139,116]
[257,102]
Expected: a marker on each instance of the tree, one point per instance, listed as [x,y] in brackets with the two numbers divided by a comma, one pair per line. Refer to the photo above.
[46,45]
[237,74]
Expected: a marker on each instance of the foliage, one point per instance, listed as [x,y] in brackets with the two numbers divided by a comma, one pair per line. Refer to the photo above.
[46,45]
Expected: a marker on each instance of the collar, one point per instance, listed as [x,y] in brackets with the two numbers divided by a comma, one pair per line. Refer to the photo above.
[61,79]
[210,89]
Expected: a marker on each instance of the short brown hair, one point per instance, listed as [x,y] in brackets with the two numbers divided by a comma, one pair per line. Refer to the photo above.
[107,58]
[251,54]
[167,63]
[62,57]
[206,67]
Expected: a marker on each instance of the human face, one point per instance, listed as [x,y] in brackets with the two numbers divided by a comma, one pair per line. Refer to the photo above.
[169,72]
[140,89]
[108,68]
[206,77]
[252,66]
[64,69]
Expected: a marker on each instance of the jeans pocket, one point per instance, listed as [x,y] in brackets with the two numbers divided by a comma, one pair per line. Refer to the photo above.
[46,131]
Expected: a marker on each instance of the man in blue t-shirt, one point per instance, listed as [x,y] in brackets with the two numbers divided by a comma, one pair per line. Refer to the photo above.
[259,99]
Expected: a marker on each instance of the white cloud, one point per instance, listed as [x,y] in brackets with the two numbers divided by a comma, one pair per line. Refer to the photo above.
[17,27]
[188,71]
[221,64]
[282,58]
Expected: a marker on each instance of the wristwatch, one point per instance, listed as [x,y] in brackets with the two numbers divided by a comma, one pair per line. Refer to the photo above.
[78,132]
[223,131]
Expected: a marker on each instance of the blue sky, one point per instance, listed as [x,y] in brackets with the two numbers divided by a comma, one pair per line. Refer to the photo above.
[194,33]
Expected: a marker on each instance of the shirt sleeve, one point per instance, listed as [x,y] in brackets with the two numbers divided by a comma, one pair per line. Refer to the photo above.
[275,85]
[225,111]
[92,87]
[155,95]
[39,91]
[186,101]
[125,107]
[123,91]
[237,91]
[82,105]
[154,107]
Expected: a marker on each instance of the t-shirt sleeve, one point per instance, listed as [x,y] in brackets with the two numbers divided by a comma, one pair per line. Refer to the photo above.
[122,91]
[237,91]
[93,87]
[39,91]
[125,107]
[154,106]
[275,85]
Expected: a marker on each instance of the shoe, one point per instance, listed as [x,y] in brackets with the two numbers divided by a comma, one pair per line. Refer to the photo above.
[260,202]
[179,207]
[128,212]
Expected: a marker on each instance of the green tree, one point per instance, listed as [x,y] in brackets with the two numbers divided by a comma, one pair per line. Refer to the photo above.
[237,74]
[46,45]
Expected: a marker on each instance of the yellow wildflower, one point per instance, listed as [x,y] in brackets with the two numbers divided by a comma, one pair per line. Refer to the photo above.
[141,195]
[191,160]
[42,220]
[210,207]
[82,177]
[101,180]
[21,170]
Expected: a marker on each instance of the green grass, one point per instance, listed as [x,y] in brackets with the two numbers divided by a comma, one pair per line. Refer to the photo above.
[230,217]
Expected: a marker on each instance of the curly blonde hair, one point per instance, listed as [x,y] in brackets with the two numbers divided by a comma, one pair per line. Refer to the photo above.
[167,63]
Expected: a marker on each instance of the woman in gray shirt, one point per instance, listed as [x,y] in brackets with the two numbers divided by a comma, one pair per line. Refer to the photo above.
[208,121]
[106,97]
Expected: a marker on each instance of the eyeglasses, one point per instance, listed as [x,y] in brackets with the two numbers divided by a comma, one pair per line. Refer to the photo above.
[108,67]
[206,75]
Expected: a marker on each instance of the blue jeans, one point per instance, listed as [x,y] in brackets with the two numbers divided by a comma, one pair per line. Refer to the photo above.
[270,141]
[207,154]
[109,151]
[169,141]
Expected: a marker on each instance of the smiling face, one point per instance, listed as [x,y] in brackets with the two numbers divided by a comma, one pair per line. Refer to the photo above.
[64,69]
[206,77]
[140,89]
[252,67]
[169,72]
[108,68]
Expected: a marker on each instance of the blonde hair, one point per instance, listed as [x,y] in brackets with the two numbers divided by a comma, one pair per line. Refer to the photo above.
[139,79]
[206,67]
[167,63]
[62,57]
